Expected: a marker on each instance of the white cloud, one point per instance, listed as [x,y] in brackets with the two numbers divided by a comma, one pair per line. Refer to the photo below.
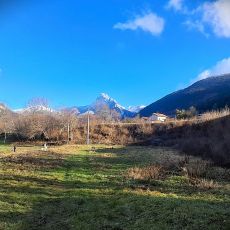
[213,16]
[196,25]
[205,74]
[149,22]
[177,5]
[217,16]
[221,67]
[207,16]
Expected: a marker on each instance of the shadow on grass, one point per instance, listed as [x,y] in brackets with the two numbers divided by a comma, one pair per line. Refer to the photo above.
[38,159]
[124,158]
[91,194]
[126,211]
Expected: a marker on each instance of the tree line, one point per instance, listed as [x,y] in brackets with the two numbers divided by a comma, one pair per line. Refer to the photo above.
[63,125]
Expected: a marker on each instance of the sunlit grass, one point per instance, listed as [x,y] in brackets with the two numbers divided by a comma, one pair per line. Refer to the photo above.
[80,187]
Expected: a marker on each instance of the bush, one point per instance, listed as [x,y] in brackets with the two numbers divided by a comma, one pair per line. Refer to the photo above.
[186,114]
[195,169]
[204,183]
[152,172]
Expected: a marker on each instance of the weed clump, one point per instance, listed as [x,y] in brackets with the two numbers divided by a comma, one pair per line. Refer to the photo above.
[148,173]
[197,173]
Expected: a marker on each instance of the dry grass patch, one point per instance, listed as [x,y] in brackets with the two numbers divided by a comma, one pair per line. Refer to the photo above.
[148,173]
[212,115]
[197,173]
[204,183]
[34,160]
[195,169]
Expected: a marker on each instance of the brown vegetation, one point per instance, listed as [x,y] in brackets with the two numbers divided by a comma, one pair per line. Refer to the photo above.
[148,173]
[197,173]
[206,136]
[35,160]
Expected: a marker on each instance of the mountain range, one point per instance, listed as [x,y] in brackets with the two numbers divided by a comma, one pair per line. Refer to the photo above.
[103,101]
[208,94]
[36,108]
[3,109]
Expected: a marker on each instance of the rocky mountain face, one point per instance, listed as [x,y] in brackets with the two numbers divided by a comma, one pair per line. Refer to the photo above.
[103,101]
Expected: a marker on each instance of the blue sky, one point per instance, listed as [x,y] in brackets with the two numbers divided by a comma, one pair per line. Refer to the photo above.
[136,51]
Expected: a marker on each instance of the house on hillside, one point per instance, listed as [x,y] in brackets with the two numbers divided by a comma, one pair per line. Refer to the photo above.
[158,117]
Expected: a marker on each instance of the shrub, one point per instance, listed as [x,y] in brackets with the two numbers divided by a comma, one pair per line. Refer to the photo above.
[195,169]
[186,114]
[204,183]
[152,172]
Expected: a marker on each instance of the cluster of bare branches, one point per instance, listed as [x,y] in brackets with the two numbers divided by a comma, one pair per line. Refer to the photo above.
[35,124]
[39,122]
[38,126]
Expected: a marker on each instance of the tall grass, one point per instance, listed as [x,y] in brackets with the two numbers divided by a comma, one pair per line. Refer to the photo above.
[215,114]
[208,137]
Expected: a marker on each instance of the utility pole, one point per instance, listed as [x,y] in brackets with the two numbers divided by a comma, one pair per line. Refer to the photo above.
[68,130]
[88,141]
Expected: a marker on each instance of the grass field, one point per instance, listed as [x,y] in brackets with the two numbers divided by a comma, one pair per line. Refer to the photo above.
[79,187]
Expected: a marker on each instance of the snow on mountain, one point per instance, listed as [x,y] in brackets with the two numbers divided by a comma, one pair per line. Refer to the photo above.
[136,109]
[4,110]
[113,103]
[3,107]
[88,112]
[105,100]
[35,109]
[101,102]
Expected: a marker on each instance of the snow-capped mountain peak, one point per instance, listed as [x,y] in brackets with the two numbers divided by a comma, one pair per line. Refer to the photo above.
[38,108]
[104,98]
[2,107]
[136,109]
[102,101]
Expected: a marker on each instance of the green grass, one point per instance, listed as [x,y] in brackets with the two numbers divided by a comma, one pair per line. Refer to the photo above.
[71,187]
[4,148]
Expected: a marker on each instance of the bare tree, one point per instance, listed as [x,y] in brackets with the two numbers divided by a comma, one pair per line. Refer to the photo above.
[37,104]
[104,113]
[69,122]
[37,101]
[107,115]
[6,121]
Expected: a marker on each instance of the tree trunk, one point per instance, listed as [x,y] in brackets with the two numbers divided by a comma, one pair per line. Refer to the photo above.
[5,138]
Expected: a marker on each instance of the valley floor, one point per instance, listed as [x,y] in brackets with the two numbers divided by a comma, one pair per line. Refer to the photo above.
[80,187]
